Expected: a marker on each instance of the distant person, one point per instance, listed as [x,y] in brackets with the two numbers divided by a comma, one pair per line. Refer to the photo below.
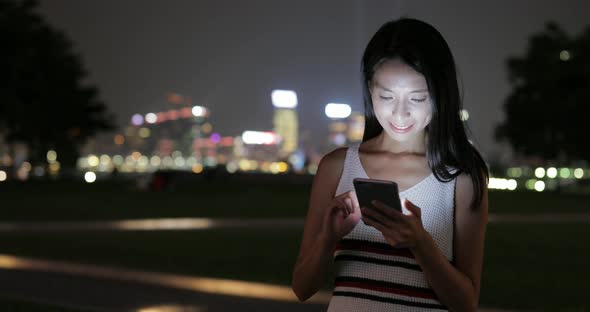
[429,256]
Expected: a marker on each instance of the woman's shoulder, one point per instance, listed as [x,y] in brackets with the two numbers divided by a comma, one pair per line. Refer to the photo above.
[332,163]
[335,157]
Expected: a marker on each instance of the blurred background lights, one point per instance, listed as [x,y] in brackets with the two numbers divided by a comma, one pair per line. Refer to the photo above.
[514,172]
[530,184]
[54,167]
[137,120]
[90,177]
[564,55]
[93,160]
[3,176]
[578,173]
[51,156]
[206,128]
[564,173]
[197,168]
[258,137]
[336,110]
[464,115]
[118,160]
[551,172]
[105,160]
[539,186]
[119,139]
[155,161]
[231,167]
[340,139]
[151,118]
[199,111]
[284,99]
[179,161]
[215,138]
[168,162]
[144,133]
[143,161]
[540,172]
[502,184]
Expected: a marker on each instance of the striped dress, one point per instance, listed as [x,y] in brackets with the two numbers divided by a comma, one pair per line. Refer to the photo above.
[373,276]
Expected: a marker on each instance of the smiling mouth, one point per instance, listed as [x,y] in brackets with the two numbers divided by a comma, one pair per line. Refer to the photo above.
[400,129]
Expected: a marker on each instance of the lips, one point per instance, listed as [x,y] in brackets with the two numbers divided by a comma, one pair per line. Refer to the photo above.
[399,129]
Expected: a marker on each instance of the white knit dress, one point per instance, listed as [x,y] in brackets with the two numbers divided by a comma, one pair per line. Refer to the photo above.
[373,276]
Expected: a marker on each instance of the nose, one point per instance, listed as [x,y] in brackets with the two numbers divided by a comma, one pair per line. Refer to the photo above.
[401,112]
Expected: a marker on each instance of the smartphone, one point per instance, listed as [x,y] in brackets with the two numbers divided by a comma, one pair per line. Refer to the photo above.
[384,191]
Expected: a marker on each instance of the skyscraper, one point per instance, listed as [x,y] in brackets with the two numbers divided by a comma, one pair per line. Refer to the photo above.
[285,121]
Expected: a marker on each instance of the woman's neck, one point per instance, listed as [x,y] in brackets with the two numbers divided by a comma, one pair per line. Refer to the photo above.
[384,142]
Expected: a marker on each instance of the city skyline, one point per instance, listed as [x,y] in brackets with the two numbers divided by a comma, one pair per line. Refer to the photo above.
[229,56]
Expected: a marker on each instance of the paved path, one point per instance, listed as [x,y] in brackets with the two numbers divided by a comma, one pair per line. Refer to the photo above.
[207,223]
[95,288]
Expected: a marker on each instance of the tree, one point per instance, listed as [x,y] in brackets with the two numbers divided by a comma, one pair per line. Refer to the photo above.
[547,110]
[43,101]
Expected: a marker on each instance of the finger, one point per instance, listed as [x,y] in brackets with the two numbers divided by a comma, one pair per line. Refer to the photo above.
[355,200]
[393,237]
[378,216]
[349,206]
[338,207]
[415,210]
[343,206]
[391,212]
[374,223]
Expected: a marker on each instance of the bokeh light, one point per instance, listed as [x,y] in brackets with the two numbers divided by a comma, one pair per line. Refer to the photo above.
[90,177]
[51,156]
[137,120]
[151,118]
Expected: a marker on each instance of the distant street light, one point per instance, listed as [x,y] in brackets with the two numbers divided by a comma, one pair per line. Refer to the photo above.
[284,99]
[337,111]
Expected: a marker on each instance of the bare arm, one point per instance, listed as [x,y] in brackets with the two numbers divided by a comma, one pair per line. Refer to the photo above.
[458,286]
[315,253]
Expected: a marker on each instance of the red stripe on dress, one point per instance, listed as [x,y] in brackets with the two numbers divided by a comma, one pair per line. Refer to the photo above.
[401,252]
[398,291]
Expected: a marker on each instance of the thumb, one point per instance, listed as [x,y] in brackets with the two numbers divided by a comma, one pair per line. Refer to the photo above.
[415,210]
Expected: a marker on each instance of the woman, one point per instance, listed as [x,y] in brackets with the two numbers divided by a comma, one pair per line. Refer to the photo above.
[429,256]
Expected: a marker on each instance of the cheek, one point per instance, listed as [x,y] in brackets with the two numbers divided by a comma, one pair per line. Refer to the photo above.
[425,113]
[379,108]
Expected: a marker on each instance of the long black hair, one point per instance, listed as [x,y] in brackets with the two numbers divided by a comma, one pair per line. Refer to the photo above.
[422,47]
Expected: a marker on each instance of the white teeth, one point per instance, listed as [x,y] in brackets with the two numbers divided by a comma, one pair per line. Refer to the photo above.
[401,128]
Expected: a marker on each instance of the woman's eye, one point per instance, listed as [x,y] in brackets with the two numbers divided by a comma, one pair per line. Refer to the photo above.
[385,98]
[419,100]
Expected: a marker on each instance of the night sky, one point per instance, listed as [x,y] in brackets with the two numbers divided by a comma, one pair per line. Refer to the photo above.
[230,55]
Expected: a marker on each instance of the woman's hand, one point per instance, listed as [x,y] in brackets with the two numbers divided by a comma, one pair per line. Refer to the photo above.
[341,217]
[398,229]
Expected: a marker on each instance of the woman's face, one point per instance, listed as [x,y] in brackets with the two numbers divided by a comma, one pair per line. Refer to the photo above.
[401,100]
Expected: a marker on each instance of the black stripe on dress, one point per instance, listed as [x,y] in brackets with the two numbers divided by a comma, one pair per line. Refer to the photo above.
[423,290]
[389,300]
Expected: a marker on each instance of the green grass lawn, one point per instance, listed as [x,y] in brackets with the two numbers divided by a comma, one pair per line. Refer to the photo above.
[43,201]
[111,201]
[11,305]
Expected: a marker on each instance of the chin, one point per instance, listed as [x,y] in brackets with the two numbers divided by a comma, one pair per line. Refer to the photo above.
[401,137]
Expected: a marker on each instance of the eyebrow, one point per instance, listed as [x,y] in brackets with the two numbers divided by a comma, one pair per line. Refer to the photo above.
[415,91]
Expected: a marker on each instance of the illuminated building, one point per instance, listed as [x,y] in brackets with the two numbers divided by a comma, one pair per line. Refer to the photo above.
[338,113]
[356,127]
[285,121]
